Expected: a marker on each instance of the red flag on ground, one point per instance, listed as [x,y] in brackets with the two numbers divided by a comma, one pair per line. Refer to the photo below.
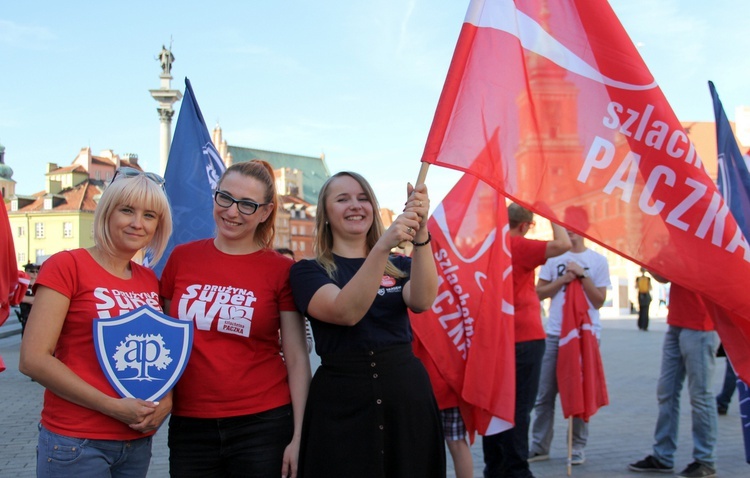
[550,102]
[468,332]
[580,373]
[8,269]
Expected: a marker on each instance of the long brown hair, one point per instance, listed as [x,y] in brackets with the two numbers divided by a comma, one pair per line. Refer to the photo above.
[263,172]
[323,245]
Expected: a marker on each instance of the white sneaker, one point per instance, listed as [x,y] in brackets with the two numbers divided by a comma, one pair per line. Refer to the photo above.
[534,457]
[577,457]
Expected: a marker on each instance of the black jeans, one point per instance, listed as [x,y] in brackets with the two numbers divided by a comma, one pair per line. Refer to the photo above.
[644,302]
[505,454]
[248,445]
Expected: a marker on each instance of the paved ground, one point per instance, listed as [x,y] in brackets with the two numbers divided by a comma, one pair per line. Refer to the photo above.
[620,433]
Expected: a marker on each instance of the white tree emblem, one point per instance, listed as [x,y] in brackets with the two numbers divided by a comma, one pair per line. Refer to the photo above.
[141,352]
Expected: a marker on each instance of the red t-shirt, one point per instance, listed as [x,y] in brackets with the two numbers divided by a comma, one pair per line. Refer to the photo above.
[686,309]
[93,293]
[234,302]
[527,255]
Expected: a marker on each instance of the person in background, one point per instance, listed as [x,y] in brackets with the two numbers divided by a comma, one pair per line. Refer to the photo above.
[285,251]
[643,285]
[24,308]
[506,453]
[689,350]
[591,268]
[371,411]
[238,406]
[87,429]
[724,398]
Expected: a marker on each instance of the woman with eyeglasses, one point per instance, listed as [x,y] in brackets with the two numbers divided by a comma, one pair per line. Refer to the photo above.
[238,406]
[371,411]
[87,429]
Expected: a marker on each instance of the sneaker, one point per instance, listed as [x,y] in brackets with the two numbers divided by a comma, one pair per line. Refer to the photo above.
[577,457]
[534,457]
[697,470]
[651,465]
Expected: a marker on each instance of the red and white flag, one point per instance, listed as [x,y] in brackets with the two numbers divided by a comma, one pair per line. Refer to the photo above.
[550,102]
[580,373]
[468,332]
[8,270]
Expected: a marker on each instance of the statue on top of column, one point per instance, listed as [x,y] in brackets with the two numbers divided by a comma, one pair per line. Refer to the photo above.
[166,58]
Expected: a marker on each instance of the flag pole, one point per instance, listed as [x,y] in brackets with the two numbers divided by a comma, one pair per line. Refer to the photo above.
[420,180]
[570,444]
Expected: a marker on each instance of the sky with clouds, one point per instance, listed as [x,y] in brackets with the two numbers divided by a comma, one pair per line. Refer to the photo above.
[357,80]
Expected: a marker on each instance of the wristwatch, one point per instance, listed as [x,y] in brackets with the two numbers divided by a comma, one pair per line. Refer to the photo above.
[585,274]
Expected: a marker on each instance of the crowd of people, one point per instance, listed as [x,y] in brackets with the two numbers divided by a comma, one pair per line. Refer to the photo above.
[247,403]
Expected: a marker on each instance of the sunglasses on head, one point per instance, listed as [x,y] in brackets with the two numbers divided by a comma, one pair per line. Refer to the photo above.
[128,172]
[244,206]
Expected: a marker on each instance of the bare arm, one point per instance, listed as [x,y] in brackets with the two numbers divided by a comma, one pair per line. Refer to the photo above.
[421,289]
[297,361]
[546,289]
[596,295]
[347,305]
[38,362]
[560,242]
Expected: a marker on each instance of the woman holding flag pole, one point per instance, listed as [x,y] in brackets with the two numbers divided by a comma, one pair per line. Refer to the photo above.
[370,411]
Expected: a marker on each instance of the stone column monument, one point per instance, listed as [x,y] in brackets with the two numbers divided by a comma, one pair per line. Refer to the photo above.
[166,97]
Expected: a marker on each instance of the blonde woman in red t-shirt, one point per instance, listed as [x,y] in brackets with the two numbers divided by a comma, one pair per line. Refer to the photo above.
[87,429]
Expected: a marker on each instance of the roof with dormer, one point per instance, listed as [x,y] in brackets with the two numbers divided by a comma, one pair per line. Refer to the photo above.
[73,168]
[289,200]
[314,169]
[78,198]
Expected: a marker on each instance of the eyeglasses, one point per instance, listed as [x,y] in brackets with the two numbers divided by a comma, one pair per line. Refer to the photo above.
[245,206]
[128,172]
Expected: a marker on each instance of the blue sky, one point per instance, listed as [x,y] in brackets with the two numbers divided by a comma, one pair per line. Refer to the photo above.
[357,80]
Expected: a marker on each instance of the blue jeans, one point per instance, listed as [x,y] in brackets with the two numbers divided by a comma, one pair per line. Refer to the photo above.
[248,445]
[690,353]
[59,455]
[505,454]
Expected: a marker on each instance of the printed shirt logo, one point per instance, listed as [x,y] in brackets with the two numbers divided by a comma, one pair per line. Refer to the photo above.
[387,281]
[143,352]
[231,308]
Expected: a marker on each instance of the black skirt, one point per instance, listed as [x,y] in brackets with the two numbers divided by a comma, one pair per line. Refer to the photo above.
[372,415]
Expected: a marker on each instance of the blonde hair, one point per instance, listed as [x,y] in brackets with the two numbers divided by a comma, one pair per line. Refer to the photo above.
[323,244]
[263,172]
[133,191]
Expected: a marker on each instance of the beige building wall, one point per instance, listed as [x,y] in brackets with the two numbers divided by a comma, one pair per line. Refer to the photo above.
[38,235]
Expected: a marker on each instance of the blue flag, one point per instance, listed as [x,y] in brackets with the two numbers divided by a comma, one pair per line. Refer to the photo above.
[192,174]
[734,185]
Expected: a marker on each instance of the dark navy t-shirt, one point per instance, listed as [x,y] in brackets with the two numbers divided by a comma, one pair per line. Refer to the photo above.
[385,324]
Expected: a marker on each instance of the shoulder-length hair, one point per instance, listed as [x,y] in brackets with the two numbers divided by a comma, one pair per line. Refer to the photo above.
[263,172]
[323,244]
[137,191]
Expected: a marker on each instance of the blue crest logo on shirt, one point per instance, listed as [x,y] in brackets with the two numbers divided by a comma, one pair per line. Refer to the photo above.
[144,352]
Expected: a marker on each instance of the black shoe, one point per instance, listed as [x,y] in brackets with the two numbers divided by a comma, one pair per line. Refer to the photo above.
[697,470]
[650,464]
[722,410]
